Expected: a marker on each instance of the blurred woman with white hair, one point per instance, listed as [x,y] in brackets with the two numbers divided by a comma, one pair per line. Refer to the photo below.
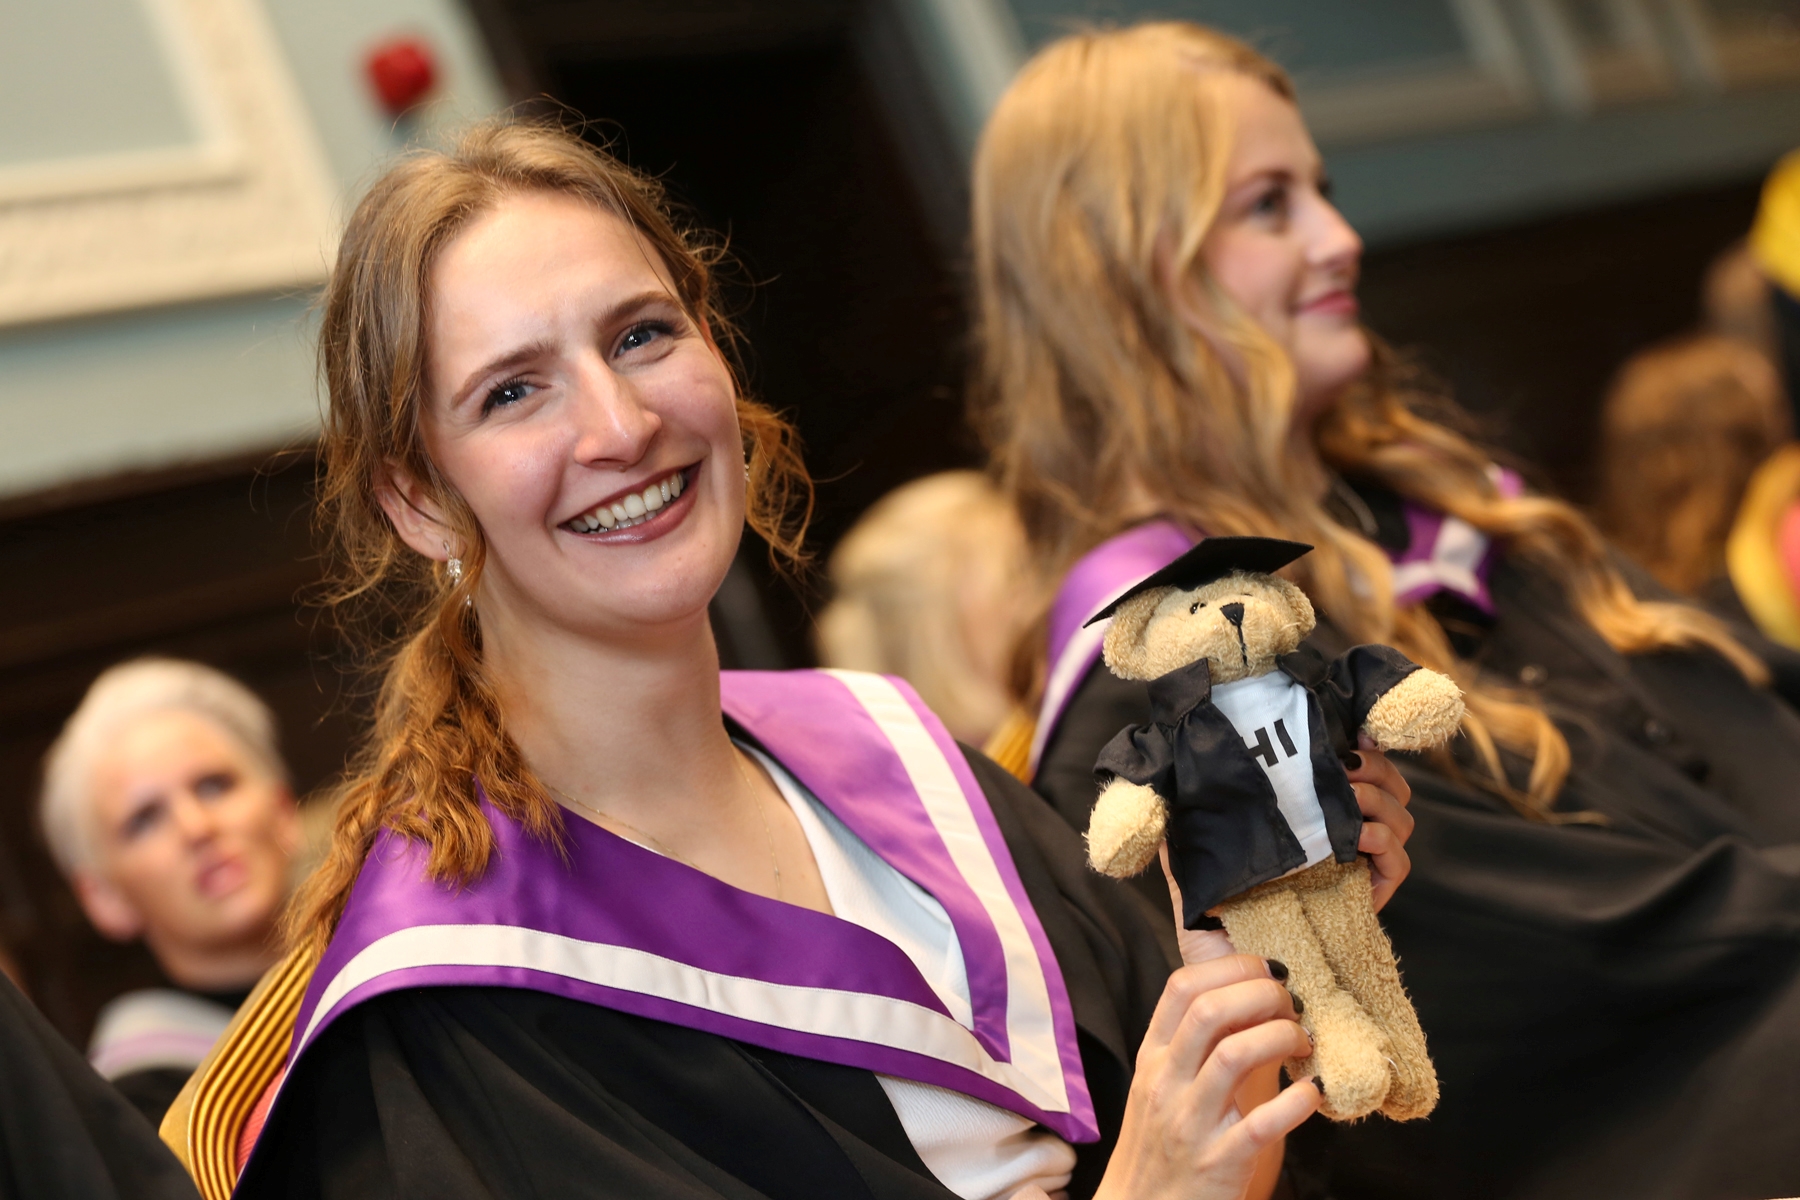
[167,807]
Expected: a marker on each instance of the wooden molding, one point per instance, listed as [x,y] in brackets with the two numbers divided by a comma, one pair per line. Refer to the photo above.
[245,207]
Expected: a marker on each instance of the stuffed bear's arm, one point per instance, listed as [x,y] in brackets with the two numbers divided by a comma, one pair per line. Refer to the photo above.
[1125,829]
[1421,711]
[1130,818]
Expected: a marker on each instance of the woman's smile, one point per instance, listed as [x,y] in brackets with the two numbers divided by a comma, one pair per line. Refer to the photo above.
[639,514]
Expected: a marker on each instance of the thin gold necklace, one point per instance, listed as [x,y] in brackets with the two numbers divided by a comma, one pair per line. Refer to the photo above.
[658,844]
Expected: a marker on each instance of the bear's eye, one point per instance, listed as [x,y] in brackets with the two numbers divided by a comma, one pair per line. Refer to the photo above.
[1196,607]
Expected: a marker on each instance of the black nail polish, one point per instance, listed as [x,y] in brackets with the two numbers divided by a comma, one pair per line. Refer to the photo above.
[1353,761]
[1277,970]
[1299,1004]
[1319,1082]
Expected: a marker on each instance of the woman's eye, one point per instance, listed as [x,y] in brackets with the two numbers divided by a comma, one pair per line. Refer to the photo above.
[211,787]
[1272,203]
[639,336]
[141,822]
[510,392]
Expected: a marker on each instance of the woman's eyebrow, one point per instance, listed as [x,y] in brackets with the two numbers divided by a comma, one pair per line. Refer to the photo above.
[511,359]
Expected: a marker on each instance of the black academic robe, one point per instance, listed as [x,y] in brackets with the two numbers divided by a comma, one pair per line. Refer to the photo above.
[465,1093]
[65,1134]
[1614,1009]
[1227,833]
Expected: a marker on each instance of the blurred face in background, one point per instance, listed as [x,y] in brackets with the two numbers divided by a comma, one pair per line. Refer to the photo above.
[1279,249]
[193,847]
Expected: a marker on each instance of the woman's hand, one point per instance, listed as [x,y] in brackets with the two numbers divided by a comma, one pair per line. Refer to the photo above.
[1383,795]
[1219,1023]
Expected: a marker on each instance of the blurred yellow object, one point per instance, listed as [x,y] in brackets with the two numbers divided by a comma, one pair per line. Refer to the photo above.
[1010,745]
[206,1122]
[1753,552]
[1775,237]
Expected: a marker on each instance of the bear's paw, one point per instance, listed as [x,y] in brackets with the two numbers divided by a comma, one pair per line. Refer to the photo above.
[1421,711]
[1125,829]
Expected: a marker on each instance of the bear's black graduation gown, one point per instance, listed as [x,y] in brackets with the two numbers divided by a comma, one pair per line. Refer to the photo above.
[459,1093]
[1227,833]
[1614,1010]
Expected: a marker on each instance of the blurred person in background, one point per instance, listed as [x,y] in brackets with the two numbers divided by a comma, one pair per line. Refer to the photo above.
[927,586]
[167,807]
[1602,927]
[1683,428]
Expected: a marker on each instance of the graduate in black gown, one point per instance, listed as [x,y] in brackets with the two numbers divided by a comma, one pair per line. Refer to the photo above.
[599,920]
[1602,928]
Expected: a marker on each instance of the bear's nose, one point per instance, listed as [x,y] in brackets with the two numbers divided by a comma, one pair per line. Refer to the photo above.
[1233,613]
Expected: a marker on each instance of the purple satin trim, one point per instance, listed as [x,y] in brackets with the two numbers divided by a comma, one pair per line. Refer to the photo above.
[1109,569]
[1424,526]
[1081,1106]
[813,726]
[801,718]
[596,896]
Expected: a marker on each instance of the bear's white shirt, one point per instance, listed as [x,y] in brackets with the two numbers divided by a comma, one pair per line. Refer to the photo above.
[1269,713]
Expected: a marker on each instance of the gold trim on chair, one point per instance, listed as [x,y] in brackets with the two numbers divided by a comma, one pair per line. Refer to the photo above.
[1010,745]
[1752,553]
[207,1120]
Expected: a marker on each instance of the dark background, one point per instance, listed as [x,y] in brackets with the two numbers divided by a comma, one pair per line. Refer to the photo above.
[778,124]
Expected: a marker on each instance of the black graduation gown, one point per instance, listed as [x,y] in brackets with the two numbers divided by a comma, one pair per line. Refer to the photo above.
[466,1093]
[65,1134]
[1614,1010]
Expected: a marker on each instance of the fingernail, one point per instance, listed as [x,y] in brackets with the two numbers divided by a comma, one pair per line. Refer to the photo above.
[1299,1004]
[1353,761]
[1319,1082]
[1277,970]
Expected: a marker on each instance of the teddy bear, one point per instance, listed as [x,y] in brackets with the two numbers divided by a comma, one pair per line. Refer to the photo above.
[1240,772]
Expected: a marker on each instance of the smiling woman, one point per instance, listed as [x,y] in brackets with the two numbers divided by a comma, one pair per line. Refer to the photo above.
[600,919]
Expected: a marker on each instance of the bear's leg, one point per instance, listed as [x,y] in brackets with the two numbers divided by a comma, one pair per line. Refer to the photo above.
[1349,1054]
[1362,958]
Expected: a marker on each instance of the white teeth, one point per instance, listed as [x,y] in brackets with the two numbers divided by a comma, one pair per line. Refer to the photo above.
[634,509]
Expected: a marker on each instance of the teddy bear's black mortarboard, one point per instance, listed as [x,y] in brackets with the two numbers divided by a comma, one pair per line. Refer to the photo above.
[1214,558]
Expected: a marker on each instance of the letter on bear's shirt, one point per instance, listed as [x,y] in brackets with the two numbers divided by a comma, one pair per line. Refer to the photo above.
[1270,713]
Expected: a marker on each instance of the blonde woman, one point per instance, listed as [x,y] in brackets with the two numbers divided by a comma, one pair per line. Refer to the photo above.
[926,586]
[1603,929]
[602,920]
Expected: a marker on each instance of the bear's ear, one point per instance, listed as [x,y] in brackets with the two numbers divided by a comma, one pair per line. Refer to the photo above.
[1124,647]
[1299,604]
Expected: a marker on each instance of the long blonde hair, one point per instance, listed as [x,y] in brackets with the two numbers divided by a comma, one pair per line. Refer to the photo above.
[1097,180]
[926,586]
[438,723]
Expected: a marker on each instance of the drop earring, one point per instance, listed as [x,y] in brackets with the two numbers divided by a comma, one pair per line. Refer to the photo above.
[453,567]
